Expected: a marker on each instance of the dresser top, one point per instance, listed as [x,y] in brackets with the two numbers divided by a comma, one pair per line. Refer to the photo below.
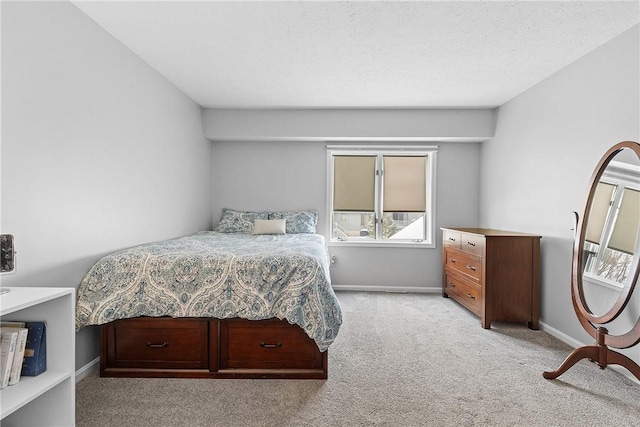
[490,232]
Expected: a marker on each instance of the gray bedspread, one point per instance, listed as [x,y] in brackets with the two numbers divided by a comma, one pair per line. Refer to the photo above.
[219,275]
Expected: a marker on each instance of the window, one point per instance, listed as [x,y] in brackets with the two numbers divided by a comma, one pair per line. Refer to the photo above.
[381,195]
[611,233]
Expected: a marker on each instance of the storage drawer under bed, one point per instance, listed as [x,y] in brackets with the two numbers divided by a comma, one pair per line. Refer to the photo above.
[158,343]
[266,344]
[209,348]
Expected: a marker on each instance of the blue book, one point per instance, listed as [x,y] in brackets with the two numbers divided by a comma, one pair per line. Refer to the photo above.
[35,352]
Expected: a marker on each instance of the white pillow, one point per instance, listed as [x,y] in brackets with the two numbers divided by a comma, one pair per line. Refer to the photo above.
[269,226]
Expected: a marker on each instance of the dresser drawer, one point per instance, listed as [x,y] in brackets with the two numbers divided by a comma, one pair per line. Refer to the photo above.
[157,343]
[451,238]
[472,243]
[266,344]
[466,293]
[467,264]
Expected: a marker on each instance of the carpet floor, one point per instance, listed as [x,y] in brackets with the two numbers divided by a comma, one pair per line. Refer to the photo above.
[399,360]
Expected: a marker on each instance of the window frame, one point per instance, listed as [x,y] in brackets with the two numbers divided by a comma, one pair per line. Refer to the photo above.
[429,151]
[620,178]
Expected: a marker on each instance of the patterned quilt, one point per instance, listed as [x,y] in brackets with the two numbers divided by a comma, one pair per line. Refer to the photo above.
[221,275]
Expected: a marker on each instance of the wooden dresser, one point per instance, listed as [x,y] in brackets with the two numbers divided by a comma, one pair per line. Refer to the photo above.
[493,273]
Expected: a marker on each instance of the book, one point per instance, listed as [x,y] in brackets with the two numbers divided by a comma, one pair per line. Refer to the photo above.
[35,352]
[16,365]
[8,341]
[11,324]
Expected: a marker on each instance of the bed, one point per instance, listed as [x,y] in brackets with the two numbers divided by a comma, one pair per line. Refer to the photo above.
[230,303]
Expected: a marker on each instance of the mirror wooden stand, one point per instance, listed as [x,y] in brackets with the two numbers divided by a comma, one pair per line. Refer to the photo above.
[612,222]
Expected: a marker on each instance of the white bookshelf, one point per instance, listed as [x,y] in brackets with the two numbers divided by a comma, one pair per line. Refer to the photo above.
[49,398]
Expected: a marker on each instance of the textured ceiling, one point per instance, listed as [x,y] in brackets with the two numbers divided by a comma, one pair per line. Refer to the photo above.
[328,54]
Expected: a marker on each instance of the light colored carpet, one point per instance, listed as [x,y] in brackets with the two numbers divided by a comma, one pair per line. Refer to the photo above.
[399,360]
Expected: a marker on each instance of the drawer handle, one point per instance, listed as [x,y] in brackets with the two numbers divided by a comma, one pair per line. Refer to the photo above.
[157,345]
[471,244]
[471,267]
[470,296]
[452,239]
[277,345]
[452,260]
[452,284]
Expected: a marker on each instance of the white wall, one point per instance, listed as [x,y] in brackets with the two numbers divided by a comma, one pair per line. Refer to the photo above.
[271,175]
[99,152]
[548,140]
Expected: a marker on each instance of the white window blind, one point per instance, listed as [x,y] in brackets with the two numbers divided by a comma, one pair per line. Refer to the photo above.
[625,230]
[404,179]
[354,183]
[599,211]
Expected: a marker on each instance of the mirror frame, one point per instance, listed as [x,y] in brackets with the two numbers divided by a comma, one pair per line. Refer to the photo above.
[599,352]
[586,317]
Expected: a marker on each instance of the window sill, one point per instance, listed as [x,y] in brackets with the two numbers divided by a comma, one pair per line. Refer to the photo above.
[362,244]
[603,283]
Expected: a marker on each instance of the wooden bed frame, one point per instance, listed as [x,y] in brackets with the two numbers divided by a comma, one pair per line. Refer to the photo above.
[161,347]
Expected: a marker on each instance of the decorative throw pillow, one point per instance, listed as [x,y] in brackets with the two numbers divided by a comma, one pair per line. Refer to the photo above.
[269,226]
[233,221]
[298,222]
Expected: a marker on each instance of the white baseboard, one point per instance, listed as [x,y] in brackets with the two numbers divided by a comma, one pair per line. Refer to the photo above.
[87,369]
[561,335]
[392,289]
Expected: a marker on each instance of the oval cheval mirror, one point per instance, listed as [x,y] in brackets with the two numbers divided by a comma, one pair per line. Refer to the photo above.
[605,263]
